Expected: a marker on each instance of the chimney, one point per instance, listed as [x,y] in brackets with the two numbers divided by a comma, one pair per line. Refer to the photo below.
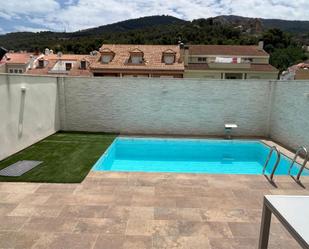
[261,45]
[31,61]
[186,55]
[181,49]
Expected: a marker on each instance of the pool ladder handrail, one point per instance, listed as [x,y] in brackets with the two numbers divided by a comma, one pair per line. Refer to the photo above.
[306,157]
[272,149]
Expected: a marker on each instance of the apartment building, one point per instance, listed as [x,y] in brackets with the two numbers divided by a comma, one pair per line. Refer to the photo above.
[170,61]
[227,62]
[138,61]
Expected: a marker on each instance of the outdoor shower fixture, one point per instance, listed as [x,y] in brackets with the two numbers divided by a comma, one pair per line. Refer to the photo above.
[21,110]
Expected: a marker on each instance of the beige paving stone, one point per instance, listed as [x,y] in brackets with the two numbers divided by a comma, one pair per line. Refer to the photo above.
[143,213]
[245,230]
[12,187]
[44,241]
[153,201]
[79,211]
[235,243]
[137,242]
[94,188]
[13,197]
[76,241]
[117,212]
[12,223]
[109,242]
[100,226]
[163,228]
[189,202]
[164,213]
[143,210]
[45,188]
[18,240]
[46,211]
[138,228]
[213,202]
[6,208]
[152,227]
[197,242]
[49,224]
[208,229]
[225,215]
[35,199]
[190,214]
[22,211]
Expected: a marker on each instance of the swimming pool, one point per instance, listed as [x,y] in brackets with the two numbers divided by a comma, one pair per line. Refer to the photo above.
[191,156]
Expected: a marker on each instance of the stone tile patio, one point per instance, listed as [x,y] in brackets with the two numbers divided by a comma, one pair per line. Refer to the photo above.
[142,210]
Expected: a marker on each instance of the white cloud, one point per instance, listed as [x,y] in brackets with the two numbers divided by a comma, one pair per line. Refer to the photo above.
[27,7]
[27,29]
[81,14]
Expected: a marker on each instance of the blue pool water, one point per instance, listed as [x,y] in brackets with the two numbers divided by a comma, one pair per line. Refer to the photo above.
[190,156]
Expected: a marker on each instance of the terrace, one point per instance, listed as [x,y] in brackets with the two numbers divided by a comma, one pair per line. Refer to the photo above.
[63,204]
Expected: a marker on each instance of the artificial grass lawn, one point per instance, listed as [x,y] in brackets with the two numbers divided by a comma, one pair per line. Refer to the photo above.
[67,157]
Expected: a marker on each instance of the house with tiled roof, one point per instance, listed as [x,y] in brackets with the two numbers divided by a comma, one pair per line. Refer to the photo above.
[16,62]
[299,71]
[138,61]
[62,64]
[227,62]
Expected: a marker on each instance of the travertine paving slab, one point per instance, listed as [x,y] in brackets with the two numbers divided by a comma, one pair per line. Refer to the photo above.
[142,210]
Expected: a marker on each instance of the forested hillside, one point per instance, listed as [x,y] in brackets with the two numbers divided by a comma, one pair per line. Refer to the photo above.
[285,48]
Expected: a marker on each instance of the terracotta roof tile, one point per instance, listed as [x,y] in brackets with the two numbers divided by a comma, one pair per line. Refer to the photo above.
[229,50]
[152,58]
[17,58]
[75,71]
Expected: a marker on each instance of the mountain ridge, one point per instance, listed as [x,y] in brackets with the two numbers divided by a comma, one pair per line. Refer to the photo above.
[158,29]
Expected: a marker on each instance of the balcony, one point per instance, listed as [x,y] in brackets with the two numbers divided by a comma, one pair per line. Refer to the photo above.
[217,65]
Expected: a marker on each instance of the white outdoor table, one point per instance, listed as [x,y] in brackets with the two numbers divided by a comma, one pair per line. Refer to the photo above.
[292,212]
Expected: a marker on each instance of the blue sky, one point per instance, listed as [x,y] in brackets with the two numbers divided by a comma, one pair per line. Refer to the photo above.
[72,15]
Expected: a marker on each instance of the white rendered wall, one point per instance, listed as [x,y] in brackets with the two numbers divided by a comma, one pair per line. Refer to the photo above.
[28,117]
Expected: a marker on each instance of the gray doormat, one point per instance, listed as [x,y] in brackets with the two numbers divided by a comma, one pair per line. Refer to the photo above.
[19,168]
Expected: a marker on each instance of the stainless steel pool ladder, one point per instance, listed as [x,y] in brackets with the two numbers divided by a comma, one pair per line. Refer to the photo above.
[272,149]
[306,157]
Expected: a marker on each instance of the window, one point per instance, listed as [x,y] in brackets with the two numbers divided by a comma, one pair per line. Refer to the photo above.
[107,55]
[20,71]
[136,56]
[247,60]
[169,56]
[11,70]
[83,65]
[233,76]
[202,59]
[169,59]
[106,59]
[15,70]
[41,63]
[136,59]
[68,66]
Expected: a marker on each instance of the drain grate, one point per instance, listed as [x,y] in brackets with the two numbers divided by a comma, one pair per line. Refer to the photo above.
[19,168]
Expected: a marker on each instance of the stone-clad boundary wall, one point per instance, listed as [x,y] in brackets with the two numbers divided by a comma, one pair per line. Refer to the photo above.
[272,109]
